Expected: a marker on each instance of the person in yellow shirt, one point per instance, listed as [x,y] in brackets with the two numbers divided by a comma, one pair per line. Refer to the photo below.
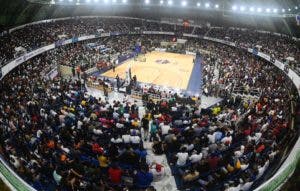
[148,116]
[135,123]
[103,162]
[216,110]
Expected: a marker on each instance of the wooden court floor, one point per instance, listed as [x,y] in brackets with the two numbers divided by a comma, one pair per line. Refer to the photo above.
[161,68]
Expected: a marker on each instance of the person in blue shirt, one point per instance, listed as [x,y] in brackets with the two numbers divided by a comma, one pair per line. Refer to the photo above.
[143,178]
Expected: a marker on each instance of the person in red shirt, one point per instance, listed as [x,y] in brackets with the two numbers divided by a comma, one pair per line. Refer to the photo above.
[260,148]
[115,174]
[213,161]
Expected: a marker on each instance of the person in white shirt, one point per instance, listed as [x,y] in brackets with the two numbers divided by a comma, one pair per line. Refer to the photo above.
[182,157]
[194,158]
[15,161]
[165,129]
[116,140]
[119,125]
[227,139]
[158,172]
[97,131]
[256,137]
[116,115]
[246,186]
[126,138]
[79,124]
[261,169]
[240,152]
[135,139]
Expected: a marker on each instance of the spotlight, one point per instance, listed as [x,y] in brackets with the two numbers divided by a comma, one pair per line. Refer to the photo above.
[234,8]
[147,1]
[207,5]
[198,4]
[252,9]
[87,1]
[161,2]
[70,1]
[217,6]
[283,10]
[170,2]
[268,10]
[259,10]
[275,10]
[242,8]
[183,3]
[296,7]
[124,1]
[289,9]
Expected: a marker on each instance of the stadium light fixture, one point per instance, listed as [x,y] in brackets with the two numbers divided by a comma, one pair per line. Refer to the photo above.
[268,10]
[217,6]
[234,7]
[296,8]
[147,2]
[87,1]
[61,0]
[242,8]
[105,1]
[259,10]
[170,2]
[70,1]
[275,10]
[161,2]
[198,4]
[183,3]
[124,1]
[207,5]
[289,9]
[283,10]
[252,9]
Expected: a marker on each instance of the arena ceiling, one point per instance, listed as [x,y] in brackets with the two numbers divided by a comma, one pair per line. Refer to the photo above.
[228,13]
[222,4]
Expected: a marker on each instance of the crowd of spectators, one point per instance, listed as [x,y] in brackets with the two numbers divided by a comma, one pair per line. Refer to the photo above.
[56,136]
[34,36]
[278,46]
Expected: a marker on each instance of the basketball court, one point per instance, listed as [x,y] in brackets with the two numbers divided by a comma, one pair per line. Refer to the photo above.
[160,68]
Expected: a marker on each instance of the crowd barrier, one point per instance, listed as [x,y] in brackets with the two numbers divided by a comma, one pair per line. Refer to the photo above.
[286,169]
[153,97]
[96,85]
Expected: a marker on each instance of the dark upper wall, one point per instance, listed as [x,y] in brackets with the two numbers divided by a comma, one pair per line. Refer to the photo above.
[18,12]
